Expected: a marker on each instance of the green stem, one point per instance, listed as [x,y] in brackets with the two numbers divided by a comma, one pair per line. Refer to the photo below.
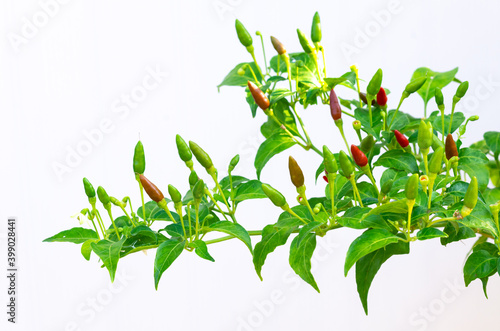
[99,220]
[357,196]
[410,204]
[214,177]
[370,110]
[213,241]
[197,209]
[264,52]
[451,118]
[331,186]
[128,216]
[397,110]
[142,197]
[442,124]
[216,204]
[254,77]
[113,221]
[301,124]
[95,228]
[291,212]
[256,64]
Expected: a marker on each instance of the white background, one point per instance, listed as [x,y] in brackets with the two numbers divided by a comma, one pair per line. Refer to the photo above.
[68,76]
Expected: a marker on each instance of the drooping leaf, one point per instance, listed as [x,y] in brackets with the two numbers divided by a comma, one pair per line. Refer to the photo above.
[434,79]
[109,253]
[273,145]
[201,249]
[235,79]
[166,254]
[301,251]
[480,264]
[430,233]
[272,237]
[74,235]
[233,229]
[369,241]
[87,248]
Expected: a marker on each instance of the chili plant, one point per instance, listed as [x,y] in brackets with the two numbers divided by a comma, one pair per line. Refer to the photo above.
[429,186]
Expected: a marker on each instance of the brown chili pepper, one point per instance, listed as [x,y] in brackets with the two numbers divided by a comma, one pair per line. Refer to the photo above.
[296,174]
[151,189]
[450,147]
[335,106]
[260,98]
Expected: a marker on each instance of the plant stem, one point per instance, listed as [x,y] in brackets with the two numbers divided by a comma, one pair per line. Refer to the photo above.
[142,197]
[214,177]
[113,221]
[451,118]
[264,52]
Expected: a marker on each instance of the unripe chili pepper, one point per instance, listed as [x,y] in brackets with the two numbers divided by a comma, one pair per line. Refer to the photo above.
[175,195]
[241,71]
[375,83]
[415,85]
[436,142]
[183,149]
[470,199]
[386,188]
[382,97]
[316,29]
[359,157]
[435,163]
[243,35]
[199,189]
[401,138]
[345,164]
[329,161]
[317,208]
[193,178]
[367,144]
[411,189]
[139,159]
[274,195]
[259,97]
[425,135]
[296,174]
[356,125]
[335,109]
[103,195]
[424,180]
[473,118]
[439,98]
[278,46]
[89,189]
[153,192]
[201,155]
[305,42]
[462,89]
[234,162]
[451,147]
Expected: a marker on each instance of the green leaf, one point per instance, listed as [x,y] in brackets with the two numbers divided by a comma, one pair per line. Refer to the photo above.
[237,180]
[273,145]
[109,253]
[87,248]
[369,241]
[271,238]
[430,233]
[74,235]
[233,229]
[301,251]
[283,112]
[234,79]
[473,162]
[352,217]
[368,266]
[141,235]
[434,79]
[176,230]
[201,249]
[402,120]
[306,73]
[363,116]
[399,160]
[480,218]
[249,190]
[458,119]
[480,264]
[491,196]
[390,208]
[153,212]
[166,254]
[287,220]
[492,139]
[454,235]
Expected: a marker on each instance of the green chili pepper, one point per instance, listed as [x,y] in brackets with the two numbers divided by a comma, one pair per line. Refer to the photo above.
[461,90]
[345,164]
[274,195]
[415,85]
[89,189]
[175,195]
[153,192]
[278,46]
[305,42]
[436,142]
[435,164]
[386,188]
[201,156]
[296,174]
[103,196]
[439,99]
[425,135]
[234,162]
[243,35]
[411,189]
[374,85]
[329,159]
[199,190]
[139,159]
[470,199]
[193,178]
[367,144]
[316,29]
[183,149]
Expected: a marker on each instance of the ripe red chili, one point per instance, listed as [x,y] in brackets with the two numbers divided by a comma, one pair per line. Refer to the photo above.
[335,106]
[151,189]
[450,147]
[358,156]
[381,97]
[401,138]
[260,98]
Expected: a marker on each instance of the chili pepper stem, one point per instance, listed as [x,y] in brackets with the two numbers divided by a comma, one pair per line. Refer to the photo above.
[163,205]
[340,125]
[451,117]
[315,58]
[95,228]
[253,74]
[370,175]
[263,52]
[442,124]
[432,179]
[425,153]
[142,196]
[113,221]
[214,177]
[301,124]
[355,69]
[331,186]
[207,192]
[397,110]
[197,209]
[357,196]
[302,194]
[256,64]
[441,220]
[410,203]
[189,220]
[324,61]
[291,212]
[232,192]
[128,216]
[370,110]
[99,220]
[178,209]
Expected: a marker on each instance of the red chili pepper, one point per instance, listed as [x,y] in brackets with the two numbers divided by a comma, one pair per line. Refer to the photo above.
[325,177]
[260,98]
[381,97]
[358,156]
[450,147]
[335,106]
[401,138]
